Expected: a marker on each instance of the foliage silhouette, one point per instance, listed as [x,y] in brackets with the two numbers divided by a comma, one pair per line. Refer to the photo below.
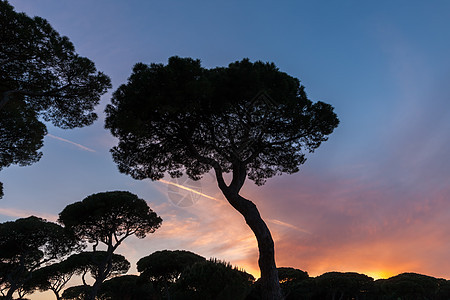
[91,262]
[109,218]
[54,277]
[290,278]
[163,268]
[248,118]
[28,244]
[287,275]
[127,287]
[78,292]
[212,279]
[336,285]
[81,264]
[411,286]
[41,76]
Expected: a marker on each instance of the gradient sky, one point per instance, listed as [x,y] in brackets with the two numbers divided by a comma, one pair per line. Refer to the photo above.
[374,199]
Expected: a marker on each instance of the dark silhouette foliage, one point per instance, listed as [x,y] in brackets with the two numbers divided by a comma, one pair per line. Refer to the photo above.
[336,285]
[91,262]
[215,279]
[287,275]
[28,244]
[109,218]
[53,277]
[412,286]
[128,287]
[212,279]
[166,265]
[248,118]
[41,77]
[183,109]
[163,268]
[77,292]
[290,279]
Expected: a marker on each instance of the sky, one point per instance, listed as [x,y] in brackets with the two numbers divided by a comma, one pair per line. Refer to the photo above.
[373,199]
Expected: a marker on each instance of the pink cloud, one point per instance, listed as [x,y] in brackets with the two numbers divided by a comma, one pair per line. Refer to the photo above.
[21,213]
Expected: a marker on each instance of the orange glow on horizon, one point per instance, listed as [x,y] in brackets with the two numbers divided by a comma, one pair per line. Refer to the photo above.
[368,244]
[379,274]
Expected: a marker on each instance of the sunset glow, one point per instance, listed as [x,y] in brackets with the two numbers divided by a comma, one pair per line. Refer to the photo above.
[373,199]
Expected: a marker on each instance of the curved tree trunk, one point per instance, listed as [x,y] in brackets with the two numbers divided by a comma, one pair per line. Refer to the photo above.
[270,286]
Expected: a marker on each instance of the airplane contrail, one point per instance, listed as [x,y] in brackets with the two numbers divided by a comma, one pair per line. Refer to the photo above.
[70,142]
[278,222]
[189,189]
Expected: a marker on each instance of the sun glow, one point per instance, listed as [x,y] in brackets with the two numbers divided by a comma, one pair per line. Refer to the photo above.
[379,274]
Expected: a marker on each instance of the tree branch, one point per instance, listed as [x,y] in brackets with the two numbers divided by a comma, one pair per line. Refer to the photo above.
[6,98]
[6,95]
[209,161]
[83,277]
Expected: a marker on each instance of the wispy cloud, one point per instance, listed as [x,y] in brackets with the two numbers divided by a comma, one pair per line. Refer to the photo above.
[70,142]
[21,213]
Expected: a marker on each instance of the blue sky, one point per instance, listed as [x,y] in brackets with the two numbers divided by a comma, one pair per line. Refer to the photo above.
[373,199]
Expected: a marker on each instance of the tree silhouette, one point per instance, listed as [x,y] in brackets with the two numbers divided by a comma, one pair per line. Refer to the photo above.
[28,244]
[290,278]
[54,277]
[337,285]
[213,279]
[41,76]
[164,267]
[109,218]
[127,287]
[248,118]
[77,292]
[91,262]
[411,286]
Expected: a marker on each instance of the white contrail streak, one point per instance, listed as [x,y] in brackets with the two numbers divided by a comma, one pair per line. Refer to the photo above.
[189,189]
[278,222]
[70,142]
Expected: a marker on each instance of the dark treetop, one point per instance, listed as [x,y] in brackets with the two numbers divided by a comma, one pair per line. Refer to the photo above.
[110,217]
[41,77]
[28,244]
[166,265]
[184,117]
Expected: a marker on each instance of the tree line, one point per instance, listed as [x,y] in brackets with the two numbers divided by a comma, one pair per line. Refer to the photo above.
[35,253]
[38,255]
